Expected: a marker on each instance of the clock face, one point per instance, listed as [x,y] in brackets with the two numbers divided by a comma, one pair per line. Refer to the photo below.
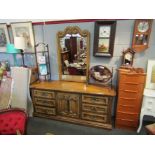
[128,56]
[143,26]
[104,31]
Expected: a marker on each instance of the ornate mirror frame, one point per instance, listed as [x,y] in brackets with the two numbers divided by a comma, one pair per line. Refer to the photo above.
[84,33]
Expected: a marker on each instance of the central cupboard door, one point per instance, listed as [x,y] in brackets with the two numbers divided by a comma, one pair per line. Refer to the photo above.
[68,104]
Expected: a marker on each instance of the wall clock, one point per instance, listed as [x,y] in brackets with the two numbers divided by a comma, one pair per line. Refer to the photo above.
[142,31]
[104,36]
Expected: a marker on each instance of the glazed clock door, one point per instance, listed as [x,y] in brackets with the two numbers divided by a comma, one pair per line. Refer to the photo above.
[68,104]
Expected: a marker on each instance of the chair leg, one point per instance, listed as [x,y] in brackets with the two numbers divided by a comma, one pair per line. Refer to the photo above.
[141,122]
[18,132]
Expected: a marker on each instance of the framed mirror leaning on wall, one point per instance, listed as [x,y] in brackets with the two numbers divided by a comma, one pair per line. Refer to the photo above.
[73,54]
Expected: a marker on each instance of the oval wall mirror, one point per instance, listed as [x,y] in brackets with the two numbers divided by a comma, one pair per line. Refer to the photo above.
[101,74]
[73,54]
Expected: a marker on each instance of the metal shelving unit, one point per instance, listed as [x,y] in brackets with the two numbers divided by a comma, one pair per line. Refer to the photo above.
[43,61]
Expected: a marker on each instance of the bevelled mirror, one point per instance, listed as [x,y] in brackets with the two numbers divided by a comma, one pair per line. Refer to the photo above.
[73,54]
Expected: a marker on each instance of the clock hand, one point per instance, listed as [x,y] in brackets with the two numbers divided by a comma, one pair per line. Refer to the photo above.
[143,27]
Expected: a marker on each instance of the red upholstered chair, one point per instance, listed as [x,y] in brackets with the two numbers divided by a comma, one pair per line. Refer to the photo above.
[12,121]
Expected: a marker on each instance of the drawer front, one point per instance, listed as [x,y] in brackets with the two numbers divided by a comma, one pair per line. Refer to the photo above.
[131,78]
[131,87]
[130,116]
[129,94]
[44,94]
[94,117]
[95,99]
[44,102]
[149,105]
[95,109]
[127,122]
[43,110]
[127,108]
[131,104]
[67,96]
[149,102]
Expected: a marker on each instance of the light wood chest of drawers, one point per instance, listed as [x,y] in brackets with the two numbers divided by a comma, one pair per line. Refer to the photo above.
[73,102]
[130,92]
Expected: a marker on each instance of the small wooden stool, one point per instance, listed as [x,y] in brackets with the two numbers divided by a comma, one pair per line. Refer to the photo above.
[150,129]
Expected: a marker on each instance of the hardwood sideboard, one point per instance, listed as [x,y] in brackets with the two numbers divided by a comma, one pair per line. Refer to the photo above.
[73,102]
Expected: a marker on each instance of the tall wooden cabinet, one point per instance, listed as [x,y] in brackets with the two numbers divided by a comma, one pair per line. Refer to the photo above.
[130,93]
[73,102]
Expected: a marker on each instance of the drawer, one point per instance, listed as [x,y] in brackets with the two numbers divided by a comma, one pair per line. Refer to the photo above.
[44,102]
[129,103]
[149,111]
[127,108]
[127,122]
[95,109]
[94,117]
[44,94]
[149,101]
[129,94]
[131,78]
[67,96]
[131,87]
[95,99]
[125,115]
[44,110]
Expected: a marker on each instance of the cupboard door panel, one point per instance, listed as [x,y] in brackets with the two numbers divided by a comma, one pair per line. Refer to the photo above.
[62,107]
[68,104]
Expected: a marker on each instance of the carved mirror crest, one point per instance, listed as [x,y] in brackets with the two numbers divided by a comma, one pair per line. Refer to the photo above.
[73,54]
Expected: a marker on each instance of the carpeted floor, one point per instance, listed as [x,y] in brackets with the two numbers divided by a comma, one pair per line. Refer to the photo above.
[41,126]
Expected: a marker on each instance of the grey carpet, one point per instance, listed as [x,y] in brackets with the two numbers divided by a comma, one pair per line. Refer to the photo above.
[41,126]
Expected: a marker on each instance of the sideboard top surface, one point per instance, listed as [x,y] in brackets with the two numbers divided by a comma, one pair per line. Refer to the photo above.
[74,87]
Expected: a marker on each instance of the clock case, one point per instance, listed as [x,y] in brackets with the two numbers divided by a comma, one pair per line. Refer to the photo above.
[126,63]
[140,39]
[111,38]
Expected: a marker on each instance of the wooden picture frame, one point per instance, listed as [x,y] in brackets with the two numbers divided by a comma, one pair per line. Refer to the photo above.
[104,37]
[24,29]
[150,79]
[4,37]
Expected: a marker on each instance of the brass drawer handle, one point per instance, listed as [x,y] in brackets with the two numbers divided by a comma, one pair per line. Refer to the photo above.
[93,108]
[94,98]
[93,117]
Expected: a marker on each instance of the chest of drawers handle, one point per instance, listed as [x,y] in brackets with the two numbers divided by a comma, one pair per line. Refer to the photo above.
[132,83]
[93,117]
[93,108]
[130,91]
